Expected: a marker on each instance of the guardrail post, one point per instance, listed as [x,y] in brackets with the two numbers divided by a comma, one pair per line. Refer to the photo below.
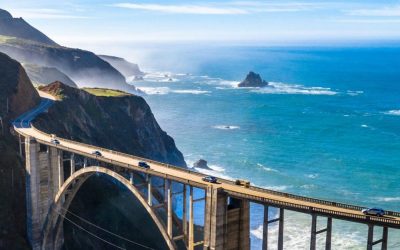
[265,229]
[149,195]
[370,236]
[191,222]
[280,236]
[169,204]
[328,240]
[384,238]
[313,232]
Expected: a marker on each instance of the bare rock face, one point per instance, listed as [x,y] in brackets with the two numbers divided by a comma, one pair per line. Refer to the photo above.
[123,123]
[201,164]
[253,80]
[17,96]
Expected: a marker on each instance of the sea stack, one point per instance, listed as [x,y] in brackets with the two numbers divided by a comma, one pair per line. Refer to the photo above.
[201,164]
[253,80]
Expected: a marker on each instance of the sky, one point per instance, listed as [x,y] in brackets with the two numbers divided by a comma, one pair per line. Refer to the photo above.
[75,23]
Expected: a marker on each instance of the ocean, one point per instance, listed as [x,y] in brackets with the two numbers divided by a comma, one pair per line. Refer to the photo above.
[328,126]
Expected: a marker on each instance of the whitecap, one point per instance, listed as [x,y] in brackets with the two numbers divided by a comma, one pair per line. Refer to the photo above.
[155,90]
[277,188]
[364,125]
[226,127]
[293,89]
[388,199]
[393,112]
[191,91]
[268,169]
[312,176]
[354,92]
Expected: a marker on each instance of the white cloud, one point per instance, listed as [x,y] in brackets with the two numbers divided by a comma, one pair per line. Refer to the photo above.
[183,9]
[230,8]
[368,21]
[388,11]
[43,14]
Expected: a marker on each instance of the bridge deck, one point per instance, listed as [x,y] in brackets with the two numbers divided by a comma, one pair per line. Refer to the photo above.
[264,196]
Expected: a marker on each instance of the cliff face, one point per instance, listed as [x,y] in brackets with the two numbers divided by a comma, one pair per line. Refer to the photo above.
[123,123]
[45,75]
[17,95]
[17,27]
[128,69]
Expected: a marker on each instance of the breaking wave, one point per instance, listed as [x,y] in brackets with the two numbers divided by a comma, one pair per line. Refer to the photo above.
[226,127]
[293,89]
[393,112]
[167,90]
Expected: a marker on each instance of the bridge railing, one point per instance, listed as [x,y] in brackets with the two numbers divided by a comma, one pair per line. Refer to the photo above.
[283,194]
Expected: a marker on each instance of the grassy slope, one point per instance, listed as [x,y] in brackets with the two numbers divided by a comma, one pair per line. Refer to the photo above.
[106,92]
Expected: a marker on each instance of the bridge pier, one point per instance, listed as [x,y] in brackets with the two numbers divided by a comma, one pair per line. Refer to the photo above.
[227,226]
[370,240]
[44,174]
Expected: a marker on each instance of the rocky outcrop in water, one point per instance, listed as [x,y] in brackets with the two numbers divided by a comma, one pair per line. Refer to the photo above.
[253,80]
[201,164]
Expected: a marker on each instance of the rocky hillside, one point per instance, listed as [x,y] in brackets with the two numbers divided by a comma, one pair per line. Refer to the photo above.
[45,75]
[17,95]
[83,67]
[123,123]
[128,69]
[17,27]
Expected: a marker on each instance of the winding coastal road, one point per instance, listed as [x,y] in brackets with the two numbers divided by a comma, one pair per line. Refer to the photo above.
[264,196]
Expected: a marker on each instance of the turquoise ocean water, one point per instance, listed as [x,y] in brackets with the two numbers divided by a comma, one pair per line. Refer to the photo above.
[327,127]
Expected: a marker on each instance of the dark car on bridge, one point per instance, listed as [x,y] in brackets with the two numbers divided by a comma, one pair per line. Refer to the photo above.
[143,164]
[210,179]
[97,153]
[374,211]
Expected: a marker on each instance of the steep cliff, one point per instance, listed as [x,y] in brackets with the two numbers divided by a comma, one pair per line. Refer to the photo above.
[17,27]
[44,75]
[123,123]
[128,69]
[17,95]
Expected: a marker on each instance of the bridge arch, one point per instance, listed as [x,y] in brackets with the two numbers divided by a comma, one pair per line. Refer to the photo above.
[61,203]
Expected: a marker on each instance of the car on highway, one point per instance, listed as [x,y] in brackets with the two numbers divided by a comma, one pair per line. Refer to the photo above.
[210,179]
[374,211]
[55,141]
[97,153]
[143,164]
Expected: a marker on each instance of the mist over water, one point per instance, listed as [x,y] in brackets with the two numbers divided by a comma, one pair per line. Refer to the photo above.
[327,127]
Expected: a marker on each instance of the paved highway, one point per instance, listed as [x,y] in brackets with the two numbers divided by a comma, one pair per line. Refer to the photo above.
[264,196]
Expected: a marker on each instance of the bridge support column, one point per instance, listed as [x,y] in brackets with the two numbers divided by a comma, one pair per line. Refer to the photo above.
[149,195]
[265,229]
[384,238]
[72,162]
[34,226]
[313,242]
[370,237]
[191,221]
[169,208]
[280,232]
[184,215]
[328,241]
[227,226]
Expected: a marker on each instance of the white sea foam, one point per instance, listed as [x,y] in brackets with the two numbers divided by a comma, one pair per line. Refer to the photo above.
[155,90]
[393,112]
[277,188]
[354,92]
[312,176]
[191,91]
[293,89]
[226,127]
[364,125]
[388,199]
[268,169]
[166,90]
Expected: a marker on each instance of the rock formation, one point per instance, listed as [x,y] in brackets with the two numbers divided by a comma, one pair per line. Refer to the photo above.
[127,69]
[17,95]
[45,75]
[253,80]
[201,164]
